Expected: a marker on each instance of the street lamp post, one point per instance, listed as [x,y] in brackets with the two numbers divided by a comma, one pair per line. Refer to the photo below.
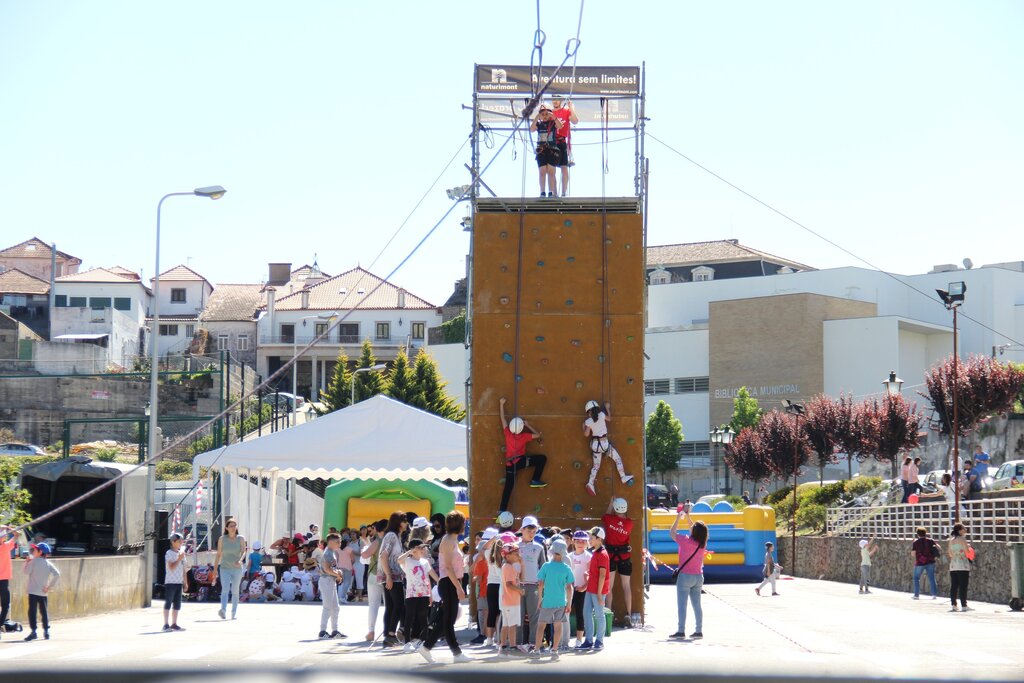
[212,192]
[722,436]
[373,368]
[953,298]
[797,410]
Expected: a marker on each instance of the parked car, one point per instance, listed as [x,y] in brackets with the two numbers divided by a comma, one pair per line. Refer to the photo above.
[711,499]
[658,496]
[20,449]
[934,478]
[284,401]
[1010,472]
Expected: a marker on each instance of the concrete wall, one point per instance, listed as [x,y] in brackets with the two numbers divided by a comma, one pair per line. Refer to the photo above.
[838,559]
[55,358]
[452,365]
[122,328]
[88,585]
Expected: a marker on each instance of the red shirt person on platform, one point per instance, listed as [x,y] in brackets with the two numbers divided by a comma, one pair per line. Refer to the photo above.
[618,527]
[564,112]
[518,433]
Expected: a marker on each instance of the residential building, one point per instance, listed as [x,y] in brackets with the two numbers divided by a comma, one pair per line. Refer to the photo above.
[34,256]
[713,260]
[26,298]
[103,306]
[16,340]
[183,296]
[386,314]
[230,319]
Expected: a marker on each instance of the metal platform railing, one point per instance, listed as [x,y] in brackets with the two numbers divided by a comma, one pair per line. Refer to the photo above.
[558,204]
[996,520]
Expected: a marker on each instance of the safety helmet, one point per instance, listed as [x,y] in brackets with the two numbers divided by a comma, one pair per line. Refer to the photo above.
[620,506]
[516,425]
[590,406]
[505,519]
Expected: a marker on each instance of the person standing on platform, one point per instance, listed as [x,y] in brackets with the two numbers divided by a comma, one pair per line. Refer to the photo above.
[564,112]
[518,433]
[547,126]
[618,527]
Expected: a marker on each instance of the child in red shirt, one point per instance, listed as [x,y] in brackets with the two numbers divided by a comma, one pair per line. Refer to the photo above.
[515,454]
[598,586]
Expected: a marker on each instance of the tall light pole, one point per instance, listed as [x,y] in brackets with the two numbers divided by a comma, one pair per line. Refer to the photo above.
[796,410]
[295,364]
[212,192]
[373,368]
[722,436]
[952,298]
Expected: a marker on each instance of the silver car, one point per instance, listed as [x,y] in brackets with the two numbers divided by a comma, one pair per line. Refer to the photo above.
[20,449]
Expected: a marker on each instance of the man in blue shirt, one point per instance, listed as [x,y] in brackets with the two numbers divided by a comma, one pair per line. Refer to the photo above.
[979,472]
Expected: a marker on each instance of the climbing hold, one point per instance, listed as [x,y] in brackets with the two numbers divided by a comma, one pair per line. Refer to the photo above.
[501,481]
[507,357]
[629,380]
[600,359]
[630,481]
[576,342]
[629,337]
[631,440]
[508,325]
[579,384]
[600,281]
[577,465]
[567,223]
[614,291]
[540,264]
[577,508]
[627,246]
[568,302]
[570,259]
[504,269]
[564,399]
[536,508]
[503,235]
[503,300]
[537,303]
[535,231]
[608,241]
[540,391]
[538,338]
[544,361]
[519,378]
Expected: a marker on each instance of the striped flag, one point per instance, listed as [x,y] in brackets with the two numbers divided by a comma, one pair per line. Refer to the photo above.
[176,523]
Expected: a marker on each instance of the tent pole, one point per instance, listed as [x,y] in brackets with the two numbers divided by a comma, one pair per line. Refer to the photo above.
[273,505]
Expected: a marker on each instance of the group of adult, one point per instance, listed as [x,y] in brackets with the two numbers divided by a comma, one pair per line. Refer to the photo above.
[926,551]
[970,479]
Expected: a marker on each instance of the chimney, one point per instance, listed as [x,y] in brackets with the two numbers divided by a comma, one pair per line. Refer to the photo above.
[271,299]
[401,298]
[279,273]
[305,298]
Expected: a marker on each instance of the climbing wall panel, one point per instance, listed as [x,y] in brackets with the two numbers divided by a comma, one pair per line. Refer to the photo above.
[579,338]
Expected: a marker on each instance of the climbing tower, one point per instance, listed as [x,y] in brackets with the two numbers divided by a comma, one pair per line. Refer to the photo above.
[556,318]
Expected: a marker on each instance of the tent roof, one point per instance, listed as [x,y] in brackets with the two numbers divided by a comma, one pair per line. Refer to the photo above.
[379,438]
[79,466]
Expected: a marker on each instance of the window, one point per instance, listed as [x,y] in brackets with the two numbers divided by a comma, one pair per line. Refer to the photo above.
[242,343]
[660,276]
[190,331]
[703,274]
[418,330]
[177,296]
[348,333]
[99,302]
[60,301]
[77,302]
[320,328]
[656,386]
[168,330]
[695,454]
[123,303]
[288,333]
[222,342]
[689,385]
[383,331]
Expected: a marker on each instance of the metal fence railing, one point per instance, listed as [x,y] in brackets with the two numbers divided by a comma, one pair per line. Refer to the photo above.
[996,520]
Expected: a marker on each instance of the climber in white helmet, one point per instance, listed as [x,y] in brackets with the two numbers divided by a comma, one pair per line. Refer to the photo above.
[595,427]
[518,433]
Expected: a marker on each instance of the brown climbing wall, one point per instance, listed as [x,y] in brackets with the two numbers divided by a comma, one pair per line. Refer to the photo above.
[561,362]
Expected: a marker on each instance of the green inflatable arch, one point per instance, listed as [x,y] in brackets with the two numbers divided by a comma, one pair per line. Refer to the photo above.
[338,494]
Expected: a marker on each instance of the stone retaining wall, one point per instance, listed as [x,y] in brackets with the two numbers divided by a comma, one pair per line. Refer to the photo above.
[838,559]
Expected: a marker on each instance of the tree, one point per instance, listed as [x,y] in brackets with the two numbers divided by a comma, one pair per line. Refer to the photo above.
[368,384]
[850,431]
[400,379]
[429,390]
[746,456]
[984,387]
[821,427]
[890,427]
[745,411]
[13,498]
[784,445]
[664,436]
[339,390]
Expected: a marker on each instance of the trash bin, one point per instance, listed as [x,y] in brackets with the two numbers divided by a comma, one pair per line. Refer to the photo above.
[608,616]
[1016,576]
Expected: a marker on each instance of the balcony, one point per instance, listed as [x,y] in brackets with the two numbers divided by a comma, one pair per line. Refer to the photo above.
[303,339]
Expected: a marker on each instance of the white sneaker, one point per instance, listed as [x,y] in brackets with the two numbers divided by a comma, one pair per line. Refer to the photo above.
[426,654]
[462,658]
[489,642]
[409,647]
[525,649]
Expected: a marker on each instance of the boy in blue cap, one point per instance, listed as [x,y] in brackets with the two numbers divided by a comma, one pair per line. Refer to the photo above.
[42,576]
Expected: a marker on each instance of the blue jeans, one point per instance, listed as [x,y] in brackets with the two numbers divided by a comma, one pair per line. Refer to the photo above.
[688,587]
[345,586]
[230,579]
[930,570]
[593,612]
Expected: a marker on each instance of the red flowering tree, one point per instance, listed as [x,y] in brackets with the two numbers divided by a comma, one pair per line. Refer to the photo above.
[889,427]
[984,387]
[820,425]
[783,443]
[850,431]
[745,455]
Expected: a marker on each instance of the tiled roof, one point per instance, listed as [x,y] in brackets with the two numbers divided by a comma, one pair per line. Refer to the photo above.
[176,317]
[107,275]
[128,273]
[14,281]
[181,273]
[233,303]
[35,248]
[328,296]
[715,251]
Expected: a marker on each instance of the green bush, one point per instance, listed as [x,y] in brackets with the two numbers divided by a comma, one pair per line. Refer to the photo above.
[171,470]
[106,454]
[736,502]
[811,516]
[781,494]
[860,486]
[827,495]
[454,330]
[56,447]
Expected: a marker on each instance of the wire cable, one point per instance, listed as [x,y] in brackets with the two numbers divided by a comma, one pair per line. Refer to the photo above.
[823,238]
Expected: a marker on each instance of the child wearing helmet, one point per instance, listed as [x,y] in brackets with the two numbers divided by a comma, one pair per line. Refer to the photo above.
[518,433]
[595,427]
[511,595]
[618,527]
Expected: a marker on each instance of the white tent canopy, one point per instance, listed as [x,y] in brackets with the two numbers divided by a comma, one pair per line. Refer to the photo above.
[379,438]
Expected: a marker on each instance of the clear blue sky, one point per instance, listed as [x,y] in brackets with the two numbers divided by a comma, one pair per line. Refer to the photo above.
[892,128]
